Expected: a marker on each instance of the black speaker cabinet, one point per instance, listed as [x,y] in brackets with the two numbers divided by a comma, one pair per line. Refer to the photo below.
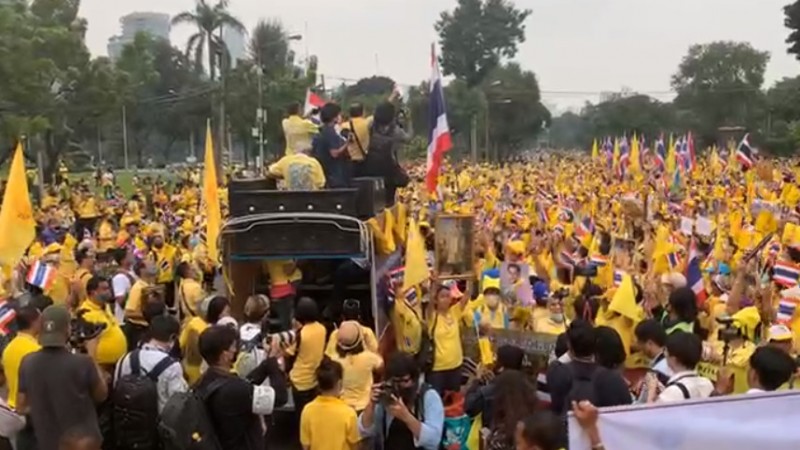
[252,184]
[332,201]
[371,196]
[296,236]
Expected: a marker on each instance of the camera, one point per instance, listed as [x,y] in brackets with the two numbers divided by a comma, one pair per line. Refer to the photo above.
[586,270]
[728,332]
[283,338]
[561,294]
[389,391]
[82,330]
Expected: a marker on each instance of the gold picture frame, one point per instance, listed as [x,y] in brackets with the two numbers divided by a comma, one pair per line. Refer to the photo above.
[454,250]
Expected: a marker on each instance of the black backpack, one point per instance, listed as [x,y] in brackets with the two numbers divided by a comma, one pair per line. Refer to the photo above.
[583,387]
[135,406]
[185,422]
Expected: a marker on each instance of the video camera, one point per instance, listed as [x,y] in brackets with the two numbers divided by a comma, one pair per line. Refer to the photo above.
[388,392]
[728,332]
[82,330]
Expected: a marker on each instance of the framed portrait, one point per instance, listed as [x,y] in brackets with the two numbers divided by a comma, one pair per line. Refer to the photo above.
[454,247]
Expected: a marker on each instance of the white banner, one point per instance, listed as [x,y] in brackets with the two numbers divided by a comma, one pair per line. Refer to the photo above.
[741,422]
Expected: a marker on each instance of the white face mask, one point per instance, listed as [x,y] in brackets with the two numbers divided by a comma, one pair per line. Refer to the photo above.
[492,301]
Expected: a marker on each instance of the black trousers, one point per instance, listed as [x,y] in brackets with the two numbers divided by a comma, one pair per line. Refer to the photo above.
[445,380]
[301,399]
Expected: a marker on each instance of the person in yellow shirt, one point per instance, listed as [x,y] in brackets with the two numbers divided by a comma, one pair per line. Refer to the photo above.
[164,257]
[96,308]
[443,327]
[25,342]
[134,321]
[492,313]
[358,128]
[87,212]
[297,130]
[283,274]
[359,364]
[189,292]
[106,233]
[308,354]
[188,341]
[299,171]
[554,322]
[328,422]
[85,257]
[351,311]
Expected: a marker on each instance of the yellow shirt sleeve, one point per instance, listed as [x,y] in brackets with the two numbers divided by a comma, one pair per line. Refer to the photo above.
[305,429]
[353,436]
[318,175]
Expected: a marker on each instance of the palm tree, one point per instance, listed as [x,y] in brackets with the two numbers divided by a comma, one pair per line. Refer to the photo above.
[269,47]
[208,19]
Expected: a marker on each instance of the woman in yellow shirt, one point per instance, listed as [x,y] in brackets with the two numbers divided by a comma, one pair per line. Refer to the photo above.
[443,327]
[189,291]
[358,364]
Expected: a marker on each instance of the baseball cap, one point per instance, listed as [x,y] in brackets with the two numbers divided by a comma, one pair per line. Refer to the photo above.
[778,333]
[55,325]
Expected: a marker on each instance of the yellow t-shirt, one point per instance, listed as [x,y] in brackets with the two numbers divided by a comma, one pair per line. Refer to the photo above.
[112,344]
[133,306]
[370,341]
[82,277]
[106,237]
[277,272]
[446,334]
[190,293]
[360,126]
[59,290]
[188,341]
[328,423]
[357,380]
[87,208]
[407,327]
[300,172]
[298,132]
[309,355]
[68,264]
[164,260]
[547,326]
[19,347]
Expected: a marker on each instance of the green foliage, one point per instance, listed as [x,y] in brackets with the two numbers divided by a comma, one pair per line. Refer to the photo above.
[792,22]
[478,35]
[721,83]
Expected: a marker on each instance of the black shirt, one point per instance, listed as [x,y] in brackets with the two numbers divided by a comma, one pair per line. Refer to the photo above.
[230,407]
[58,387]
[337,170]
[610,387]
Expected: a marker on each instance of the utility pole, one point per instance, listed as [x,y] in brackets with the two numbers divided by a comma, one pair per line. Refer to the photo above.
[261,117]
[125,134]
[221,130]
[486,130]
[473,138]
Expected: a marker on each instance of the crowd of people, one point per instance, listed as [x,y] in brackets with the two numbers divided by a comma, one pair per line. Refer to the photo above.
[653,286]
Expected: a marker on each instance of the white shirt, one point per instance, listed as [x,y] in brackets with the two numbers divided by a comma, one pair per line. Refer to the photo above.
[170,381]
[755,391]
[121,285]
[698,387]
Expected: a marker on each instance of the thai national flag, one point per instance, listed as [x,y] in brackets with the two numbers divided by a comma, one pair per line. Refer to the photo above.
[568,259]
[313,101]
[785,273]
[786,309]
[744,154]
[661,153]
[674,260]
[7,315]
[585,227]
[598,260]
[618,274]
[694,275]
[542,213]
[690,162]
[439,139]
[41,275]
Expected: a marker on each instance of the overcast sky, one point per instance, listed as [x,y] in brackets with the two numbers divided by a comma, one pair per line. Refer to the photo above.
[577,48]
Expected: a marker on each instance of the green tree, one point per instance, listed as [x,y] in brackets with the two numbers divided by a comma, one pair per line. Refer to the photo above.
[720,84]
[477,35]
[208,19]
[571,130]
[792,22]
[627,114]
[269,48]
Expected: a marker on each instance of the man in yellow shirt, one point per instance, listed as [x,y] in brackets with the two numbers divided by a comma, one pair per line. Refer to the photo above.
[299,171]
[135,324]
[358,127]
[25,342]
[328,423]
[96,309]
[189,291]
[164,257]
[307,355]
[87,212]
[297,130]
[85,257]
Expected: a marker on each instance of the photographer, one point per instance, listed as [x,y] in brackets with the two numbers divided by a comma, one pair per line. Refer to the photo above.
[386,137]
[58,390]
[96,310]
[237,404]
[401,413]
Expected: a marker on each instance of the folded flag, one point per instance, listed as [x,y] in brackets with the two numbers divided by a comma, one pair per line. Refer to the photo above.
[674,260]
[585,227]
[7,315]
[785,273]
[786,310]
[41,275]
[618,276]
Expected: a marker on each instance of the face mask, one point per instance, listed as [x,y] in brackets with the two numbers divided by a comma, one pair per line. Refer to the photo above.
[492,301]
[105,298]
[557,317]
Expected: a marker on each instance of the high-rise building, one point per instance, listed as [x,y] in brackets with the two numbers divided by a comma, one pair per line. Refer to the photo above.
[156,24]
[235,40]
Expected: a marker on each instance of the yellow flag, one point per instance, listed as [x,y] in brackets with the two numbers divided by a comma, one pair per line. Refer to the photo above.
[624,300]
[17,227]
[211,198]
[635,168]
[671,155]
[416,264]
[595,150]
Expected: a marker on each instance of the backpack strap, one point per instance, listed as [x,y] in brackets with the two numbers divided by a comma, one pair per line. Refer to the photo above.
[684,390]
[136,365]
[358,141]
[165,363]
